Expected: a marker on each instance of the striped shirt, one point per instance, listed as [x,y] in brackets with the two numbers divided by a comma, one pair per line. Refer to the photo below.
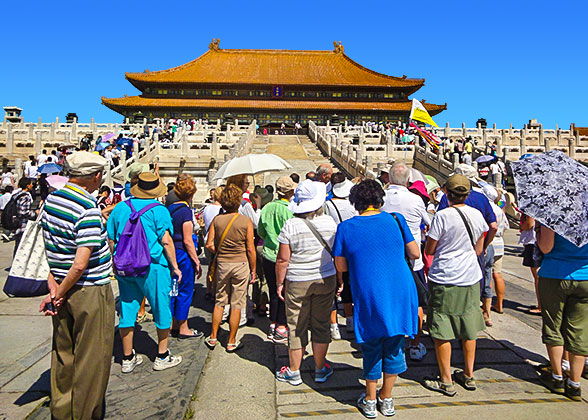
[71,220]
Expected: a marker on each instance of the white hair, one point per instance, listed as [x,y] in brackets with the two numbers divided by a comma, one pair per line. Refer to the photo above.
[399,174]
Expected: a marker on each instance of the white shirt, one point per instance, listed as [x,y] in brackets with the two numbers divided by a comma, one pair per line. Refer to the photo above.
[495,169]
[7,178]
[309,259]
[346,210]
[42,159]
[502,223]
[467,159]
[502,166]
[246,209]
[31,171]
[455,261]
[208,214]
[400,200]
[4,199]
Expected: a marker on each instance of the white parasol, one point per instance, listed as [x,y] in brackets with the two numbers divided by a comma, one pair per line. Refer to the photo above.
[252,164]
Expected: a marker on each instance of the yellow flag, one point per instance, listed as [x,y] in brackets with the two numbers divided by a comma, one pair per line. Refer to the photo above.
[419,113]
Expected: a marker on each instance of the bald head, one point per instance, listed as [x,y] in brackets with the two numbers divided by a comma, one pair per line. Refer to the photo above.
[324,172]
[399,174]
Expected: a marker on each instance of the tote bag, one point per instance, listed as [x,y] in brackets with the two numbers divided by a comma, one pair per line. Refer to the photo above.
[29,271]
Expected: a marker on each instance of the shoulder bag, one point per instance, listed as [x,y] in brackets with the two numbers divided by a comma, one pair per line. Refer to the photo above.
[213,262]
[336,209]
[30,269]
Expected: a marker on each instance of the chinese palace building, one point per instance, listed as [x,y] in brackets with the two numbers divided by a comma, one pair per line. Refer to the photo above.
[271,86]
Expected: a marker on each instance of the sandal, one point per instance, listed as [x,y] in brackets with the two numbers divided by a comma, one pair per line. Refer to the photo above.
[195,334]
[465,381]
[231,348]
[146,317]
[211,342]
[494,309]
[534,310]
[436,384]
[488,322]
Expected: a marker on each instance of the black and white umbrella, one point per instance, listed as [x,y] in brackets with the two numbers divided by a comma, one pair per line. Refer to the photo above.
[553,188]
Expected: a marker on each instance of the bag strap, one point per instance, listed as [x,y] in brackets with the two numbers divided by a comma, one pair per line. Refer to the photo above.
[224,235]
[337,210]
[408,260]
[174,211]
[467,225]
[318,236]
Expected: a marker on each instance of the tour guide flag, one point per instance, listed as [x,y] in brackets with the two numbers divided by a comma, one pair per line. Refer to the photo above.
[419,113]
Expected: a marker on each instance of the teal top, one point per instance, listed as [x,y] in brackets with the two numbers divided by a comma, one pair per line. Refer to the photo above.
[155,223]
[565,261]
[272,219]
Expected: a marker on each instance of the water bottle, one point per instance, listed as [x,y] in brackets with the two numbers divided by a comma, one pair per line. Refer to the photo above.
[174,288]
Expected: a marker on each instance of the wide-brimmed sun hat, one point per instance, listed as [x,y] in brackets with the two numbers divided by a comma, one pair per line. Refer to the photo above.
[149,186]
[136,169]
[342,189]
[468,171]
[308,196]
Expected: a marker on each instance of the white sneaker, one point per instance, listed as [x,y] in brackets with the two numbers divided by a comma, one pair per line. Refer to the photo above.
[129,365]
[349,327]
[386,406]
[169,362]
[335,333]
[417,353]
[226,310]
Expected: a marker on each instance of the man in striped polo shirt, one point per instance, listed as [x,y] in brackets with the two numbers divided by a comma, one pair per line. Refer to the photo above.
[79,286]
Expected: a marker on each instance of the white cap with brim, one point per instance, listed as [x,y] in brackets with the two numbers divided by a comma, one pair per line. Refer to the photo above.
[308,196]
[342,189]
[84,163]
[468,171]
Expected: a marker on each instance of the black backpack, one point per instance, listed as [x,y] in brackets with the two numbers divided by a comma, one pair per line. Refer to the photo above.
[10,219]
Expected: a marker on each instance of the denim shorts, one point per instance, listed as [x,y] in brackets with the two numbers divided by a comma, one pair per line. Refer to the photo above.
[385,354]
[486,262]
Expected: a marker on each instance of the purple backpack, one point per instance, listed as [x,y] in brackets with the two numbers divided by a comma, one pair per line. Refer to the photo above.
[132,258]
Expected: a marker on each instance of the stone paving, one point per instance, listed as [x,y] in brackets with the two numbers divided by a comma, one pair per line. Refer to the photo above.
[216,384]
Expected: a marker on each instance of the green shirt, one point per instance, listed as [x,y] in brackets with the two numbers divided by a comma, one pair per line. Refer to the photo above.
[272,219]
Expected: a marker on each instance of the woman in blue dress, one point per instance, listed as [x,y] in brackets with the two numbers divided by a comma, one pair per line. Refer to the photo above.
[373,247]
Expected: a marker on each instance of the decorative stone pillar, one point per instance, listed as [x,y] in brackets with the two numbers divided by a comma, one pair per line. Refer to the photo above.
[464,131]
[544,140]
[18,167]
[218,124]
[522,145]
[214,146]
[123,160]
[31,135]
[38,143]
[446,130]
[455,160]
[148,151]
[184,144]
[66,137]
[571,148]
[136,150]
[52,132]
[74,131]
[9,138]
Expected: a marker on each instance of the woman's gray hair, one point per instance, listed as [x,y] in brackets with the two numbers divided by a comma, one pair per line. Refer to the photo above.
[311,214]
[399,174]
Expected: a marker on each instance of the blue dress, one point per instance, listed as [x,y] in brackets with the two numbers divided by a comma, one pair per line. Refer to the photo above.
[383,289]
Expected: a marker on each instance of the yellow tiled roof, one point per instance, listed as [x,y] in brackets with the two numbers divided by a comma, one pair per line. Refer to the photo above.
[272,104]
[275,67]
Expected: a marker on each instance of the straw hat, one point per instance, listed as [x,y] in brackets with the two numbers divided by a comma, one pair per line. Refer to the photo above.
[149,186]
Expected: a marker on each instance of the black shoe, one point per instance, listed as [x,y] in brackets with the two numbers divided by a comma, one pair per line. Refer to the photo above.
[554,385]
[573,393]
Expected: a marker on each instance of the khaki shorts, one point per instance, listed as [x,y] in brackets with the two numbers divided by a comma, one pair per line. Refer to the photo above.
[497,264]
[454,312]
[309,304]
[564,309]
[232,279]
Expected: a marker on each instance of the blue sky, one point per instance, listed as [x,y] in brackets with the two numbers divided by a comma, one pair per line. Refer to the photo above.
[506,61]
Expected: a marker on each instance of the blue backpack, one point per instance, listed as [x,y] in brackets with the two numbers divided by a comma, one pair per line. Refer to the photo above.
[132,257]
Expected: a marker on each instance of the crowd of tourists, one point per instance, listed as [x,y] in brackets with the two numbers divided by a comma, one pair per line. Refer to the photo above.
[314,244]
